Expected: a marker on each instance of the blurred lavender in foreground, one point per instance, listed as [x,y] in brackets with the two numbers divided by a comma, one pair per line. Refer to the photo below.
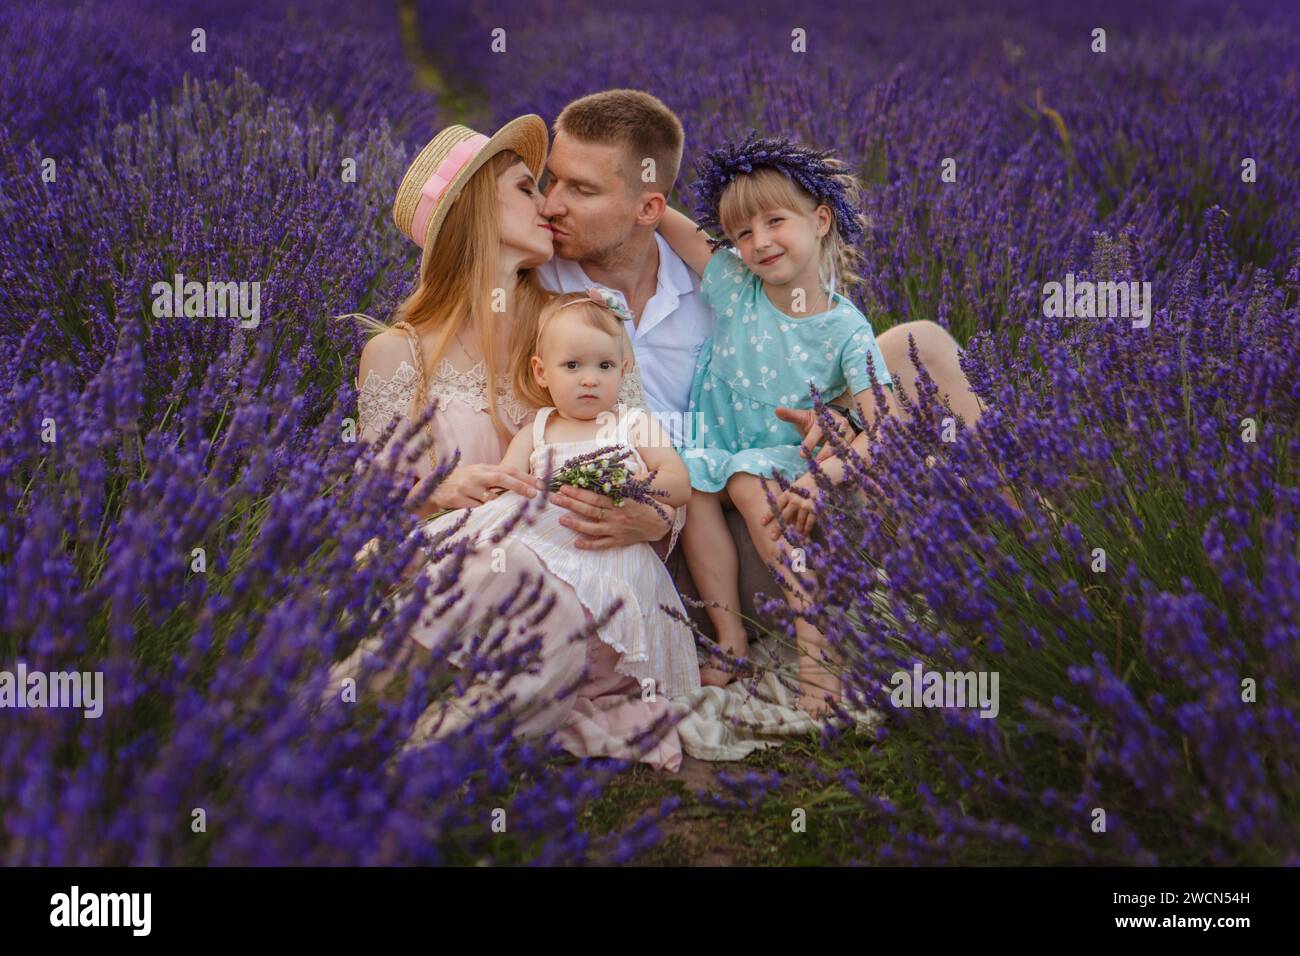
[1117,540]
[180,508]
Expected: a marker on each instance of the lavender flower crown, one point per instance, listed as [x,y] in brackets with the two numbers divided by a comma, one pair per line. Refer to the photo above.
[812,169]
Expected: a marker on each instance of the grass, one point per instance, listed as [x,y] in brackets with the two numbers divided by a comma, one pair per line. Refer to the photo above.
[700,833]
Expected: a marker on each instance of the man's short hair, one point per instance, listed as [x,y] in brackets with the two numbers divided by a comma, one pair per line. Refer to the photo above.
[635,120]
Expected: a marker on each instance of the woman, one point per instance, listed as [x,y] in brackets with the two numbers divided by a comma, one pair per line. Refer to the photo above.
[463,338]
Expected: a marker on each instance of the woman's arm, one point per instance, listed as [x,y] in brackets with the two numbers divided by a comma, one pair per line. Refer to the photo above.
[471,485]
[386,391]
[687,240]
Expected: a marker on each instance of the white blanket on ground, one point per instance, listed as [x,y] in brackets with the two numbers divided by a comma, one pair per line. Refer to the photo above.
[729,723]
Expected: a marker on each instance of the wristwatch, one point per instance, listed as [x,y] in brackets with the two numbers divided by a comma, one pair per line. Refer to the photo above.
[852,416]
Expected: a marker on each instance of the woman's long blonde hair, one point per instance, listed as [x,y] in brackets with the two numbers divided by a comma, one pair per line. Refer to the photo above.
[457,288]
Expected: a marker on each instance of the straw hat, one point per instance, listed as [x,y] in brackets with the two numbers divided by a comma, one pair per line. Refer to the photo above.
[434,180]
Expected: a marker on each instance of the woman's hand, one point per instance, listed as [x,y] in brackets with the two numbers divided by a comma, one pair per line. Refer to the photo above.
[470,485]
[795,509]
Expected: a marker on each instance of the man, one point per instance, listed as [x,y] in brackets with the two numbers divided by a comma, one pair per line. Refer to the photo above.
[604,211]
[614,158]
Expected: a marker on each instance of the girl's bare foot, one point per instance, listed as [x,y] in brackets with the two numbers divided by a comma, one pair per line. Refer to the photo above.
[818,687]
[814,704]
[736,647]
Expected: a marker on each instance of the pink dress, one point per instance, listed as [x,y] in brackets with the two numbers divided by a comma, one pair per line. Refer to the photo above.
[606,712]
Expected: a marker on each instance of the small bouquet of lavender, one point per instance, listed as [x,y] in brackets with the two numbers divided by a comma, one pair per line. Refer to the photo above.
[604,472]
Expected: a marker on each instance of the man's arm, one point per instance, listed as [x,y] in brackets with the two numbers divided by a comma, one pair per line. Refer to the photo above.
[797,509]
[601,525]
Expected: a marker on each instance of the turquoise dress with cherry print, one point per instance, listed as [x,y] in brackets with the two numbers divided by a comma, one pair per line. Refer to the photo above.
[759,358]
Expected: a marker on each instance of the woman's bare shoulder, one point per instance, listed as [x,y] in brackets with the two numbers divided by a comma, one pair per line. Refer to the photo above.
[386,349]
[385,352]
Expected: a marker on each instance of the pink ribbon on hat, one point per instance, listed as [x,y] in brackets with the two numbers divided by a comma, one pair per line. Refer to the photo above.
[442,177]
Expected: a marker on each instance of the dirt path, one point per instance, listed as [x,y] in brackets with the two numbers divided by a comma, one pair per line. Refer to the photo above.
[458,103]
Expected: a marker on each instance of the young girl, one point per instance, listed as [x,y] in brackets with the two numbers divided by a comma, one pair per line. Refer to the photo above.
[792,217]
[580,358]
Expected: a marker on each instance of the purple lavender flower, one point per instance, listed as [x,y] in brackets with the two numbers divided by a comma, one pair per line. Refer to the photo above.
[603,472]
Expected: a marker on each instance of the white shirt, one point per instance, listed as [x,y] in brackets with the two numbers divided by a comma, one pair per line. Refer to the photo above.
[668,336]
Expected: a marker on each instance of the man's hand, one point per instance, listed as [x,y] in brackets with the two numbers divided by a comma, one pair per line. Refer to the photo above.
[602,525]
[805,419]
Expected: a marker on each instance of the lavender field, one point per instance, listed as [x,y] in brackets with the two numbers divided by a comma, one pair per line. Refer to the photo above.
[1119,538]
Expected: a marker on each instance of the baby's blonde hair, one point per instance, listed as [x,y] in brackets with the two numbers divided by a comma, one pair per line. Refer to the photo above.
[753,193]
[580,305]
